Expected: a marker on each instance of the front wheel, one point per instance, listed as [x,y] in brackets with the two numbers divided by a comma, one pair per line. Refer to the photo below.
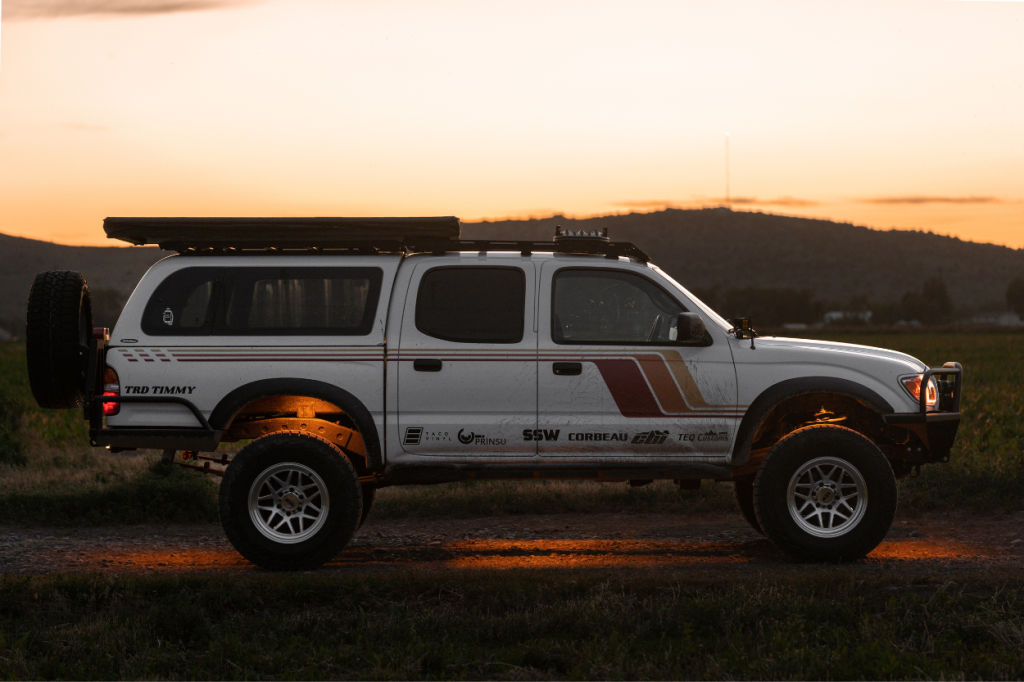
[290,501]
[825,493]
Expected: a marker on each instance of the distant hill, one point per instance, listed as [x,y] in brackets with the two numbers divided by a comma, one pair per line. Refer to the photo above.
[703,249]
[104,267]
[719,248]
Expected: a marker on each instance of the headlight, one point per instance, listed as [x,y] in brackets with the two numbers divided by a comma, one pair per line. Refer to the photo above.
[913,386]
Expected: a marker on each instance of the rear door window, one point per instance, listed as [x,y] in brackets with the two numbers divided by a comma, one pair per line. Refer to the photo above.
[470,304]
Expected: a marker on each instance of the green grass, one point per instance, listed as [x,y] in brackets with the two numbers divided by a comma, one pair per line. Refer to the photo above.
[510,625]
[52,476]
[986,468]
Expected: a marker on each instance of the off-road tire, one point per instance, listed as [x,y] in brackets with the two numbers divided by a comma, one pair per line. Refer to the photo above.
[780,469]
[310,452]
[58,327]
[369,495]
[743,491]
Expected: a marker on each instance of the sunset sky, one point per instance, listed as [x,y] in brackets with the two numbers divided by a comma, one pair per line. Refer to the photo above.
[897,113]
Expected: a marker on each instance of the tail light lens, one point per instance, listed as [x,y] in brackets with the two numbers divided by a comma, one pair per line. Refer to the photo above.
[111,386]
[913,386]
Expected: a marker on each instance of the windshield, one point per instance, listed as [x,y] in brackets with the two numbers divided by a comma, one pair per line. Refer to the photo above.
[715,317]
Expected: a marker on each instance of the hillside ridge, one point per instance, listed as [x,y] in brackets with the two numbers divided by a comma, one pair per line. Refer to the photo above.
[703,249]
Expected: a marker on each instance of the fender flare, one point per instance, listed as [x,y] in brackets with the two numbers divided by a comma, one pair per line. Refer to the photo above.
[233,402]
[776,393]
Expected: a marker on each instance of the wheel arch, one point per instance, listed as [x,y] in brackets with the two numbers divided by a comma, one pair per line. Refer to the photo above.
[777,395]
[235,401]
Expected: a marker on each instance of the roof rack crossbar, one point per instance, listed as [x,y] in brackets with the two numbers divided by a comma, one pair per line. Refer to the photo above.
[337,235]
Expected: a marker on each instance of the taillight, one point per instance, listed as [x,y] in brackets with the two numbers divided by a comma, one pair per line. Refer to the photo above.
[913,385]
[111,386]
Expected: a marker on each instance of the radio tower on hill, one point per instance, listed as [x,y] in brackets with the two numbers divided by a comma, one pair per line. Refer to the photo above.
[728,201]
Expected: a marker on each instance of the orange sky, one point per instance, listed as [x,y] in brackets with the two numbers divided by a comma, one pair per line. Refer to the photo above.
[896,113]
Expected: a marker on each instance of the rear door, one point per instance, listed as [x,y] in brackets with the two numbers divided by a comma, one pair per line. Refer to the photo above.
[467,370]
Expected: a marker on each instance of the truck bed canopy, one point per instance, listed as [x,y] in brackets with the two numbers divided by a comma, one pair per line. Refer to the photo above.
[182,234]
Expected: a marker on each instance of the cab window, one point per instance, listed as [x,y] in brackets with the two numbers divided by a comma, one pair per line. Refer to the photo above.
[592,306]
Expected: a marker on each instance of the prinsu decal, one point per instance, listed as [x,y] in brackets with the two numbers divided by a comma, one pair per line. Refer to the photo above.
[540,434]
[413,435]
[650,438]
[479,439]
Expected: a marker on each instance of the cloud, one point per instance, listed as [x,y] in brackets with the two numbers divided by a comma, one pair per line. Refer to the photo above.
[789,201]
[85,127]
[931,200]
[704,201]
[53,9]
[643,204]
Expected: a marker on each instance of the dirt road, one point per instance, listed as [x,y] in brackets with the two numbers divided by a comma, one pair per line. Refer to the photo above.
[929,545]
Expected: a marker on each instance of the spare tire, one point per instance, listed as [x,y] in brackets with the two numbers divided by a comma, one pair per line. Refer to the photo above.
[57,333]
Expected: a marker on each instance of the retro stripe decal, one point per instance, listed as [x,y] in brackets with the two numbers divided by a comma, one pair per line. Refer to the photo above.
[626,383]
[206,354]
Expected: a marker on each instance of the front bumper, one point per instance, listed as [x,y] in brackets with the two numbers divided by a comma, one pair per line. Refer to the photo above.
[935,429]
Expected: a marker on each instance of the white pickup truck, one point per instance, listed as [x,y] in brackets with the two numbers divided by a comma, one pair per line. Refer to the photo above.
[356,353]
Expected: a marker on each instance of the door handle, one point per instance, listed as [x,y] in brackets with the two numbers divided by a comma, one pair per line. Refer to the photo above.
[426,365]
[567,368]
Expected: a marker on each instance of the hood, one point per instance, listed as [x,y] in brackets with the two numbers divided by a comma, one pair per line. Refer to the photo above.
[912,363]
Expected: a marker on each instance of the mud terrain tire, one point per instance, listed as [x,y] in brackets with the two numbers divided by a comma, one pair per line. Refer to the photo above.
[290,502]
[825,493]
[57,332]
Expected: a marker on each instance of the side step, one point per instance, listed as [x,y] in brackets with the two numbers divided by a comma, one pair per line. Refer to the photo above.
[412,473]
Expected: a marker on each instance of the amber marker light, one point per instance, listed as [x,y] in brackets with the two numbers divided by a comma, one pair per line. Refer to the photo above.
[913,386]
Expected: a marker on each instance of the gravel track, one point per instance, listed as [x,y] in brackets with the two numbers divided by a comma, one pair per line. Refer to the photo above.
[928,545]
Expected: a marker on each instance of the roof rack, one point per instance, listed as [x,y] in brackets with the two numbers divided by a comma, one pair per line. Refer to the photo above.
[588,247]
[437,235]
[183,234]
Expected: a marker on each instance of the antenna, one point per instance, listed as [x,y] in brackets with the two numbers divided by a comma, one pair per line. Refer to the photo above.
[728,201]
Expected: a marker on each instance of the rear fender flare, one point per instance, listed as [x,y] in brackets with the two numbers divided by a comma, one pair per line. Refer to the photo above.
[775,394]
[233,402]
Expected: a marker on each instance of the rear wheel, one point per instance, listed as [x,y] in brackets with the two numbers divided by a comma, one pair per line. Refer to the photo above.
[58,327]
[825,493]
[290,501]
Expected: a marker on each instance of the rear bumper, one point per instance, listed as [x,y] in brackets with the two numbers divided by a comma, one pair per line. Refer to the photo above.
[203,439]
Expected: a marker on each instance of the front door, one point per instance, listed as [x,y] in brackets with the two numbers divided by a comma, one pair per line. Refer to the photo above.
[614,385]
[467,370]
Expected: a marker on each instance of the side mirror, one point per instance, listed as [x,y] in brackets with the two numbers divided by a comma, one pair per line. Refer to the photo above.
[689,328]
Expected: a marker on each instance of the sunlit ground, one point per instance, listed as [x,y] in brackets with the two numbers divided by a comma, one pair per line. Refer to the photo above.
[501,554]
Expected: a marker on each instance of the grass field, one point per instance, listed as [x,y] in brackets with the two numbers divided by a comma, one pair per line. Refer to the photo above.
[514,624]
[510,625]
[53,477]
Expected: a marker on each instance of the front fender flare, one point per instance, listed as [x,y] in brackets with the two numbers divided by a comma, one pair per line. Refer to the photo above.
[776,393]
